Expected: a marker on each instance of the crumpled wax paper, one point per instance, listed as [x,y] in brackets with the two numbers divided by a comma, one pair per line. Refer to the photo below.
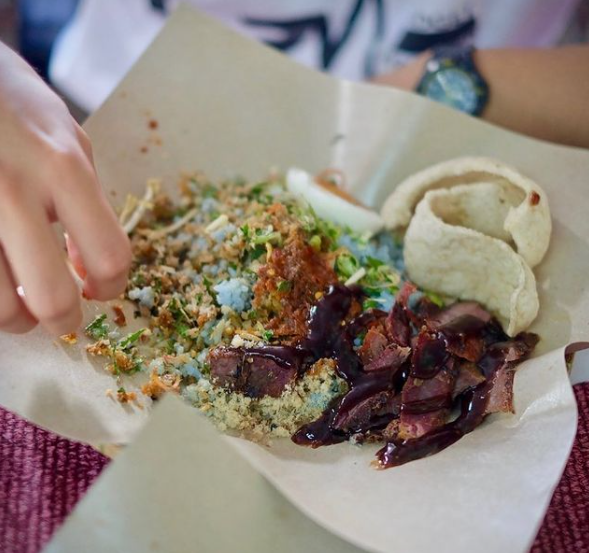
[228,106]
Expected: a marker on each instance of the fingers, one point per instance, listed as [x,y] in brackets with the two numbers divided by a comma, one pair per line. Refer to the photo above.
[37,262]
[100,243]
[75,257]
[84,142]
[14,315]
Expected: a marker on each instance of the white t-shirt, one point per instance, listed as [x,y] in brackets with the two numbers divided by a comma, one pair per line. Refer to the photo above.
[353,39]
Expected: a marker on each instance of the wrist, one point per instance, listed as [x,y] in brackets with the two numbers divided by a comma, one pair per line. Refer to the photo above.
[451,77]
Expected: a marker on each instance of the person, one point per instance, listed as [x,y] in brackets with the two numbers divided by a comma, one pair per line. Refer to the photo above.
[47,175]
[46,168]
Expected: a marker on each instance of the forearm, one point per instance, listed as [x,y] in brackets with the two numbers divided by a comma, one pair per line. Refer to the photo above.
[540,92]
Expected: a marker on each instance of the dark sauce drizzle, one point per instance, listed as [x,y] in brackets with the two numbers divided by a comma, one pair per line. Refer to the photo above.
[328,337]
[473,404]
[431,356]
[338,344]
[287,356]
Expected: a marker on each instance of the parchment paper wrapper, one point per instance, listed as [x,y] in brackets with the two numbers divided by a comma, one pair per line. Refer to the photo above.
[181,488]
[229,106]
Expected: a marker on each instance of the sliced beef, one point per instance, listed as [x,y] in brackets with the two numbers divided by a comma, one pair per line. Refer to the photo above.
[460,318]
[373,318]
[426,403]
[375,410]
[391,431]
[254,372]
[501,393]
[499,364]
[466,347]
[417,365]
[398,323]
[405,292]
[468,376]
[520,347]
[390,358]
[430,355]
[418,307]
[499,354]
[462,324]
[373,345]
[422,395]
[266,377]
[226,364]
[414,426]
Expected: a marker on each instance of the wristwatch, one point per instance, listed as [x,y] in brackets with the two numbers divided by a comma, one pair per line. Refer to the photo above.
[451,77]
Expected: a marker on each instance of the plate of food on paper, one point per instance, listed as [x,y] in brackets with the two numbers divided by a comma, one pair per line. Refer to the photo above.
[285,309]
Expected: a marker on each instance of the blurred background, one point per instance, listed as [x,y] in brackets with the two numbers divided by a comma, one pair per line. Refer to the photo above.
[31,26]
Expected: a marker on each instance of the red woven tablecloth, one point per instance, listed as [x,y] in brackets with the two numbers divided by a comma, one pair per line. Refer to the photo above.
[42,476]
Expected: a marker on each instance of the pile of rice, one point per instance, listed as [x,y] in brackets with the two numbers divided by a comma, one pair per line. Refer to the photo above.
[197,262]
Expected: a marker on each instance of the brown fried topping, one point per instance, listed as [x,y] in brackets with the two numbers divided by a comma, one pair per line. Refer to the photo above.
[158,385]
[307,273]
[70,339]
[124,362]
[119,319]
[100,348]
[126,397]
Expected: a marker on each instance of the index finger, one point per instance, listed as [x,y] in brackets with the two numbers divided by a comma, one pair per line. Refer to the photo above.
[104,247]
[37,262]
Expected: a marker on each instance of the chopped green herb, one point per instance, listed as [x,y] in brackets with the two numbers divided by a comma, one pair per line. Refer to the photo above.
[370,304]
[245,230]
[308,221]
[136,367]
[435,298]
[130,339]
[98,328]
[138,280]
[157,285]
[373,262]
[256,191]
[258,251]
[182,329]
[171,346]
[180,211]
[209,191]
[177,310]
[382,276]
[267,335]
[346,265]
[209,286]
[268,235]
[330,231]
[284,286]
[315,242]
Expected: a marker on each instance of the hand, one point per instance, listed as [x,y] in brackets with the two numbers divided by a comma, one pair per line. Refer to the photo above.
[47,175]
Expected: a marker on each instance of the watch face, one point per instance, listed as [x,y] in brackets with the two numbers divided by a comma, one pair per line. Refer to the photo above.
[454,87]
